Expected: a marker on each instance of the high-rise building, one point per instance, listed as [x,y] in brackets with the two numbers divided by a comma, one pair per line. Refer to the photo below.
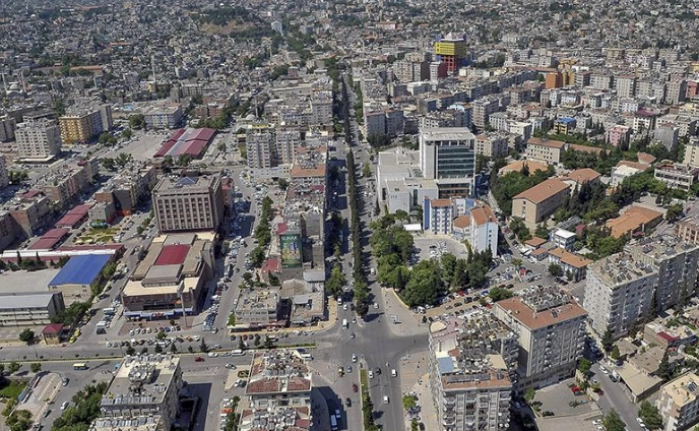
[38,140]
[4,175]
[676,262]
[188,203]
[451,50]
[471,361]
[679,402]
[618,292]
[287,141]
[146,388]
[261,147]
[7,128]
[448,155]
[550,330]
[83,125]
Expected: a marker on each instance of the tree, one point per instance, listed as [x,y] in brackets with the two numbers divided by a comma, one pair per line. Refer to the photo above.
[173,348]
[257,257]
[584,366]
[2,370]
[130,350]
[674,212]
[336,281]
[241,344]
[27,336]
[664,368]
[13,367]
[35,367]
[650,415]
[529,395]
[158,348]
[257,340]
[283,183]
[127,133]
[542,232]
[137,121]
[616,354]
[269,344]
[366,170]
[500,293]
[425,284]
[203,347]
[555,270]
[123,159]
[190,349]
[520,229]
[607,340]
[108,163]
[612,422]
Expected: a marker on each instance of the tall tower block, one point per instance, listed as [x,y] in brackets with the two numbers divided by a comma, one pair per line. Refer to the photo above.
[452,50]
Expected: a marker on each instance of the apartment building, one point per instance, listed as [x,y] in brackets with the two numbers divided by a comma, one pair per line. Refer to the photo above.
[482,108]
[678,402]
[80,126]
[38,140]
[7,128]
[188,203]
[441,216]
[492,145]
[145,386]
[550,330]
[675,261]
[30,213]
[536,204]
[65,184]
[448,155]
[4,174]
[677,176]
[470,366]
[163,117]
[478,225]
[618,291]
[322,108]
[625,86]
[258,309]
[286,140]
[278,392]
[545,150]
[688,229]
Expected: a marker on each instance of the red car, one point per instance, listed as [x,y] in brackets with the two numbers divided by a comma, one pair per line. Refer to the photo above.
[198,359]
[355,388]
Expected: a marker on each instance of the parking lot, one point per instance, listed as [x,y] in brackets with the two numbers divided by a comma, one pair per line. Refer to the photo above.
[435,246]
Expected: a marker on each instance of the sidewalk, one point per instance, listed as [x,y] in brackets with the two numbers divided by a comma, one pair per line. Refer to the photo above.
[428,413]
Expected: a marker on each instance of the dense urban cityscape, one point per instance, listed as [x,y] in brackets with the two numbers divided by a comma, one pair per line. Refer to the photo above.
[349,215]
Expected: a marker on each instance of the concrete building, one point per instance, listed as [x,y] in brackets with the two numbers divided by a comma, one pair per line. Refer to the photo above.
[38,140]
[625,86]
[170,277]
[29,309]
[84,125]
[258,310]
[4,174]
[536,204]
[619,135]
[278,392]
[570,263]
[691,152]
[188,203]
[440,216]
[163,117]
[625,169]
[492,145]
[678,402]
[7,128]
[477,224]
[618,291]
[677,176]
[470,366]
[545,150]
[675,261]
[145,386]
[688,230]
[550,330]
[562,238]
[448,155]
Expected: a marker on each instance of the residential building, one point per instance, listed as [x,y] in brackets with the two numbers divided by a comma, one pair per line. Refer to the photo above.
[678,402]
[625,169]
[667,134]
[677,176]
[545,150]
[163,117]
[470,365]
[550,330]
[145,386]
[258,310]
[676,263]
[478,225]
[190,203]
[278,393]
[691,152]
[619,135]
[666,333]
[170,277]
[4,174]
[519,165]
[38,140]
[578,177]
[625,86]
[84,125]
[571,264]
[688,229]
[536,204]
[618,292]
[564,125]
[30,308]
[448,155]
[492,145]
[562,238]
[7,128]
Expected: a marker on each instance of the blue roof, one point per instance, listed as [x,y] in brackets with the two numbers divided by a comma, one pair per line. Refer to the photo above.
[81,270]
[445,365]
[567,120]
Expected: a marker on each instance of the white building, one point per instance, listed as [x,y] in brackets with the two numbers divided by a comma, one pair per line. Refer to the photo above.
[38,140]
[163,117]
[550,332]
[562,238]
[470,362]
[678,402]
[448,155]
[618,291]
[439,216]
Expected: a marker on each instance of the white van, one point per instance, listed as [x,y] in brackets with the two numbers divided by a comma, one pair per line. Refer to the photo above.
[394,373]
[238,352]
[345,323]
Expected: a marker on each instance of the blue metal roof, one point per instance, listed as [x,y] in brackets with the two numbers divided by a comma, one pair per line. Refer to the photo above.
[81,270]
[445,365]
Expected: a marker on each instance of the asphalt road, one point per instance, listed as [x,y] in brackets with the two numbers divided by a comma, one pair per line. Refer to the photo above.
[616,398]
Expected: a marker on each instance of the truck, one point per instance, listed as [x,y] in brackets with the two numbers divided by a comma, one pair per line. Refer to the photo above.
[345,323]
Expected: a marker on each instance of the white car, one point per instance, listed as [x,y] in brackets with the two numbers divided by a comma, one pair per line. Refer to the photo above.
[603,370]
[213,355]
[371,374]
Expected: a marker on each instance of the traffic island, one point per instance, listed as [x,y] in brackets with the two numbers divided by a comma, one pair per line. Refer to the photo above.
[367,405]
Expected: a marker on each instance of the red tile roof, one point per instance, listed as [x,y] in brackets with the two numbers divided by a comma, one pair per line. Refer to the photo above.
[52,328]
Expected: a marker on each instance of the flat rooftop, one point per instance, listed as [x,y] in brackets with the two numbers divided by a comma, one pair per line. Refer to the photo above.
[26,281]
[142,380]
[621,268]
[278,371]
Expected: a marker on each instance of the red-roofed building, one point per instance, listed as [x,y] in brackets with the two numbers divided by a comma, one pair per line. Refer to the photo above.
[75,217]
[49,240]
[192,142]
[52,333]
[172,254]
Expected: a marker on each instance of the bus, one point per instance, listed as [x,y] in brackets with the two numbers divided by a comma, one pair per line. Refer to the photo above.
[80,366]
[333,423]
